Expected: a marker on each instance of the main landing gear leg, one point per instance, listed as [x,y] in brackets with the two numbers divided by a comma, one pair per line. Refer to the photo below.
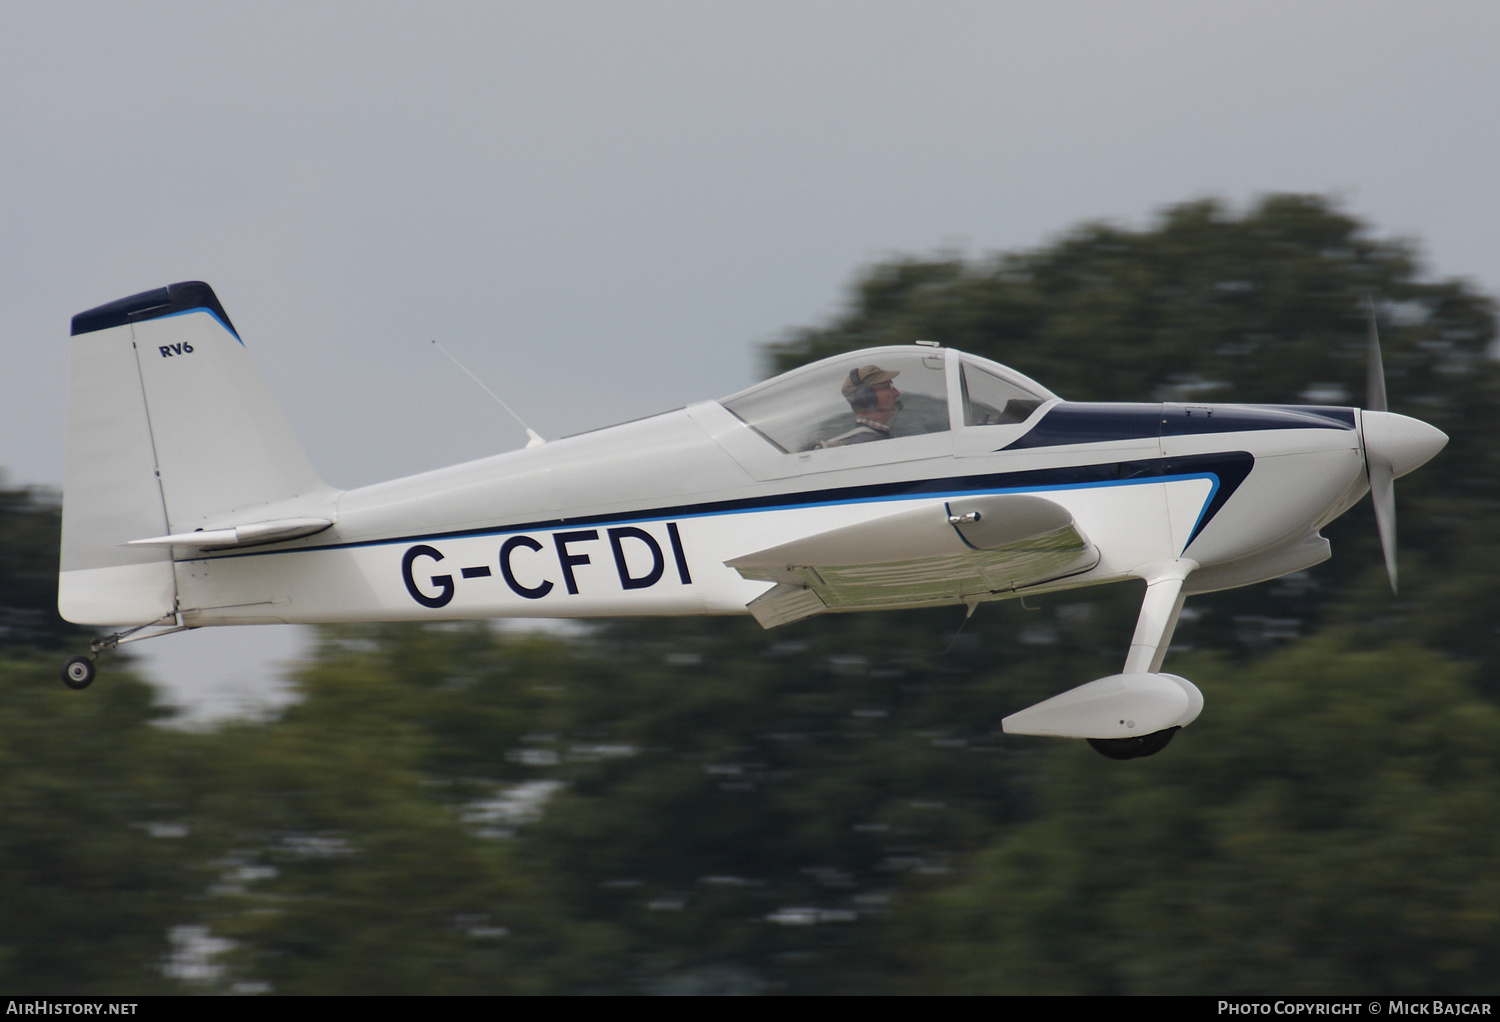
[1148,648]
[78,671]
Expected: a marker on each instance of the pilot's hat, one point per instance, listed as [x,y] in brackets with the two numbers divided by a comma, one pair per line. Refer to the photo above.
[867,376]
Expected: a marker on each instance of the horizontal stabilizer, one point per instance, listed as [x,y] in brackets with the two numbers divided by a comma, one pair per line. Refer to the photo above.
[240,535]
[1119,706]
[941,553]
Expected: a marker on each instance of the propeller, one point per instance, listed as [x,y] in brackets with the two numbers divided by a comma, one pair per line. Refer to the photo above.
[1382,480]
[1374,367]
[1394,445]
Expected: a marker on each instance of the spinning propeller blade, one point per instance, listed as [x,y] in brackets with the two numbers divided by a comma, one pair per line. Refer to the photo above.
[1382,483]
[1394,445]
[1383,493]
[1374,369]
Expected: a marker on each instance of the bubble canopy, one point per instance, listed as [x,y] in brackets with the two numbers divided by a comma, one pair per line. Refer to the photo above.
[836,401]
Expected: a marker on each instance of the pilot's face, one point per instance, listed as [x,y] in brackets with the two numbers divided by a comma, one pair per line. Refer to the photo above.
[887,399]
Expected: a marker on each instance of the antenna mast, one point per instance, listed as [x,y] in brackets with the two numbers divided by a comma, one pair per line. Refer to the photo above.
[534,440]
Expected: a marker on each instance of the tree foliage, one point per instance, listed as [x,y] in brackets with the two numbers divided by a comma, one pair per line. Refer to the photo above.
[1333,828]
[95,868]
[30,523]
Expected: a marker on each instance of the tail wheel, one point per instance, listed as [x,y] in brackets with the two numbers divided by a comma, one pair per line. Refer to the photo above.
[1133,748]
[78,672]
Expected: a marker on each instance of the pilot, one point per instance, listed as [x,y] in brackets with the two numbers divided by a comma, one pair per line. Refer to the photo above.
[875,401]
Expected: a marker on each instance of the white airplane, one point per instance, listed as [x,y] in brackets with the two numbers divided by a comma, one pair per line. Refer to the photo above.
[890,478]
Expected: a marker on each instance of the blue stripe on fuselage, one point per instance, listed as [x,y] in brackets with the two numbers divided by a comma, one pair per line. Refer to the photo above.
[1226,471]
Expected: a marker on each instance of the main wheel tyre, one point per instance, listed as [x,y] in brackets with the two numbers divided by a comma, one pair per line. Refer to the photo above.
[1134,748]
[78,672]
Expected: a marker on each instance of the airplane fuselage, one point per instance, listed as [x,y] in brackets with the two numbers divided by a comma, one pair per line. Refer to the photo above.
[656,507]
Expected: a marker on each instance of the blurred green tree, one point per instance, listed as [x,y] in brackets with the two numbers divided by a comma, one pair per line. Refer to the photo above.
[363,853]
[97,862]
[1335,827]
[30,535]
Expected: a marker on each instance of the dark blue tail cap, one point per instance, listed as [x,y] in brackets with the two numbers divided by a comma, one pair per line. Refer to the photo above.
[164,301]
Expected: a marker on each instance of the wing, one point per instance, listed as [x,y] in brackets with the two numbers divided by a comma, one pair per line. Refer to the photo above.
[969,547]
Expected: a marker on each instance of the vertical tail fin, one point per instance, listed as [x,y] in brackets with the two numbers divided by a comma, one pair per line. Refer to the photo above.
[170,427]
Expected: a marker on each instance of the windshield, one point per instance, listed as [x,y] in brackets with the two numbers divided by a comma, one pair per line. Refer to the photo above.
[991,399]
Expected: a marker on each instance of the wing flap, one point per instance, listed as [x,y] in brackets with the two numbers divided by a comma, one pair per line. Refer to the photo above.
[942,553]
[783,604]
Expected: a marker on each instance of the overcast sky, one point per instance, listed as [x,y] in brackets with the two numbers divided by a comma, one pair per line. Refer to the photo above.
[604,207]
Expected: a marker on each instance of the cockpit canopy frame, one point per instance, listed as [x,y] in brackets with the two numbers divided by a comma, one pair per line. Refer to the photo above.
[828,404]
